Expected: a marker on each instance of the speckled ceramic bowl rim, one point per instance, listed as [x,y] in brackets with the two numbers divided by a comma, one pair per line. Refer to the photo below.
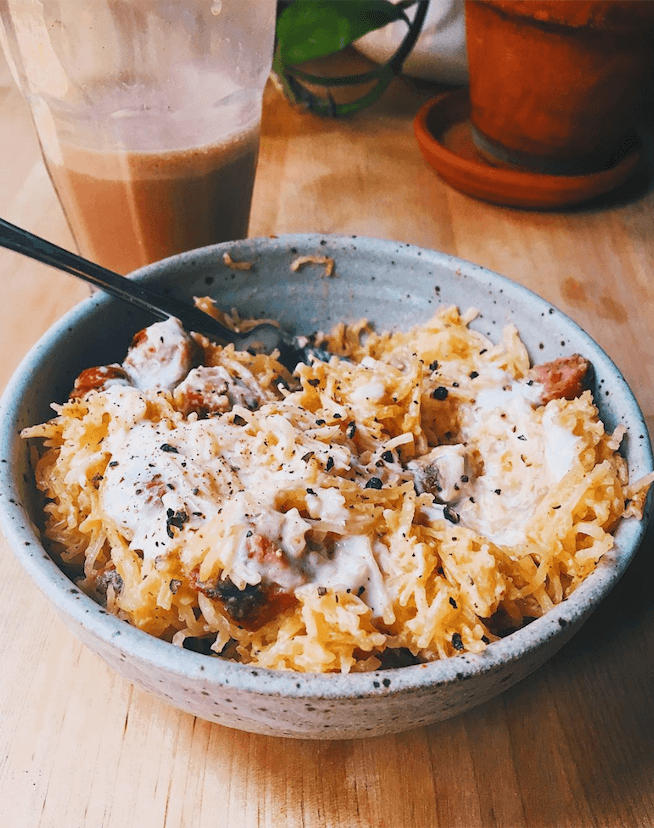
[24,539]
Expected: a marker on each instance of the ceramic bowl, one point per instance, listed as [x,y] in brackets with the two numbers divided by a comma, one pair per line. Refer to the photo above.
[395,285]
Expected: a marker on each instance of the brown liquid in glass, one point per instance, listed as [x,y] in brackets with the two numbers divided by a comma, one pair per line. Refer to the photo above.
[129,208]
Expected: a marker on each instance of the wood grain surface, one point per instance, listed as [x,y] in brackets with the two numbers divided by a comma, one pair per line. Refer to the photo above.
[573,745]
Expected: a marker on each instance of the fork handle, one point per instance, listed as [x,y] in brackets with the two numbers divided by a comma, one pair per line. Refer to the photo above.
[162,306]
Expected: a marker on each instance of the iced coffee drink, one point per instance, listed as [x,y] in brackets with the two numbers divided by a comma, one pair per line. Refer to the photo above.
[130,208]
[148,115]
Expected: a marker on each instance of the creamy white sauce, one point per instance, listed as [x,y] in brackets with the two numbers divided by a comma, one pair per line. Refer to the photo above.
[218,390]
[165,482]
[446,467]
[161,358]
[283,564]
[328,505]
[524,453]
[562,447]
[353,567]
[143,482]
[373,390]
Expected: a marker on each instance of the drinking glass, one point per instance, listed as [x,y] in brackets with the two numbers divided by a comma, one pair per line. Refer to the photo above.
[148,115]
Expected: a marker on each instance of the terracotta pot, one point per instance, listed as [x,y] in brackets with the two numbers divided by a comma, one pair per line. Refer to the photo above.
[555,84]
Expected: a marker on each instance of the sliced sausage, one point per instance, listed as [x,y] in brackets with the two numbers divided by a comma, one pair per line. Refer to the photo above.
[255,604]
[564,378]
[98,379]
[250,607]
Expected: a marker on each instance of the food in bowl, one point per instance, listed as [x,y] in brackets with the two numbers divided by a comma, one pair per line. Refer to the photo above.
[421,495]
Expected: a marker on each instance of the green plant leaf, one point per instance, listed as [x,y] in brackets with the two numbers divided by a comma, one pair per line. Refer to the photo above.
[309,29]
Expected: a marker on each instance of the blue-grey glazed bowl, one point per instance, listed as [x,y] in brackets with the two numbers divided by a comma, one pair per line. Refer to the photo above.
[394,285]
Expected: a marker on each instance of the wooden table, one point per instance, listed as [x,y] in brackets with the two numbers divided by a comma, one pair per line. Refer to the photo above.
[573,745]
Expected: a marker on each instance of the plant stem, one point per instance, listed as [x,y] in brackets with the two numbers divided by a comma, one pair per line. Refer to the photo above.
[291,78]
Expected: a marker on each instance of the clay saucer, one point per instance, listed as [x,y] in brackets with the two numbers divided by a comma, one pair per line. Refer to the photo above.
[444,134]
